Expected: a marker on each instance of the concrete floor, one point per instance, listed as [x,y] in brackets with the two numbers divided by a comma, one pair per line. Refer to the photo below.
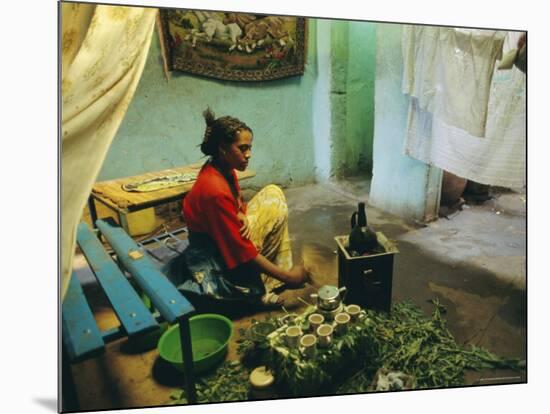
[474,261]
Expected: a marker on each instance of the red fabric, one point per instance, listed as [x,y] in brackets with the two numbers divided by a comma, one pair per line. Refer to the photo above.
[211,208]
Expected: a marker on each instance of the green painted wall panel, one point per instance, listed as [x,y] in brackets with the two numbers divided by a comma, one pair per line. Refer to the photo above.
[352,97]
[338,97]
[360,95]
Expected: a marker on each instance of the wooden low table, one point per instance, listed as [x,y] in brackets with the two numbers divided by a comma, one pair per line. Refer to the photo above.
[112,195]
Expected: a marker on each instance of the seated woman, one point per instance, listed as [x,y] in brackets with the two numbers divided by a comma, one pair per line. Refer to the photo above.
[237,252]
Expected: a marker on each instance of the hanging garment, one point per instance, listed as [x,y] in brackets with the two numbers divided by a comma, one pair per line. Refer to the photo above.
[103,52]
[500,157]
[449,72]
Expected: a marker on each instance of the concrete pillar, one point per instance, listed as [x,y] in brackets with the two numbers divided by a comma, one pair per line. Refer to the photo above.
[400,185]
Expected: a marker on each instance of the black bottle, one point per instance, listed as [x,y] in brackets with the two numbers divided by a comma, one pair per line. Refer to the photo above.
[362,238]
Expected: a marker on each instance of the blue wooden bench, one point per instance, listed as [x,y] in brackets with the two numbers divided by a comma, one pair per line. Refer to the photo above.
[82,339]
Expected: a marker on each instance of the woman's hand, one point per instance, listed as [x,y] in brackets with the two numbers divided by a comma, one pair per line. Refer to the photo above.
[298,275]
[245,228]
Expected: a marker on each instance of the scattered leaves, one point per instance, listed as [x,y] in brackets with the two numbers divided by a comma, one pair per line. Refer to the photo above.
[405,340]
[228,383]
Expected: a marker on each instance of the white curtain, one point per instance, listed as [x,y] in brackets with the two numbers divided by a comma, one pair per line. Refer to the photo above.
[484,141]
[449,72]
[103,52]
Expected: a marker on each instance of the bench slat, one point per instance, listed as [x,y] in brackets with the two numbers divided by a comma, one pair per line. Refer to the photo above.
[129,308]
[81,335]
[165,296]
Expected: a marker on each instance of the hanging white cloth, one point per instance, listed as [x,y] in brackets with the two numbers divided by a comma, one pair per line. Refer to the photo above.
[449,71]
[103,52]
[498,158]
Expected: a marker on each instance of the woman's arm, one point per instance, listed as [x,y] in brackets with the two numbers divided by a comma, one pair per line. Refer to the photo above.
[295,276]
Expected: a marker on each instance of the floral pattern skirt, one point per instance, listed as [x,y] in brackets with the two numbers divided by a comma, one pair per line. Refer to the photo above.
[267,214]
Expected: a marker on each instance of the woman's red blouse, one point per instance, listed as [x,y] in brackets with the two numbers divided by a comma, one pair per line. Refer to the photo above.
[211,208]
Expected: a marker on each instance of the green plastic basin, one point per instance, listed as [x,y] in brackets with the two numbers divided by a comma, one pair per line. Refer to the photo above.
[210,334]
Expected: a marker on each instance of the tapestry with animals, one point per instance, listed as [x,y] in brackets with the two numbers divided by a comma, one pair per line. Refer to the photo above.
[233,46]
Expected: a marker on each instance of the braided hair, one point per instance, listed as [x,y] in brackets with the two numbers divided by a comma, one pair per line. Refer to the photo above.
[218,131]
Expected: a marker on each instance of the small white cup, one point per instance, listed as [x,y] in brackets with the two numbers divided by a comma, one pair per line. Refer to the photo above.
[292,336]
[315,320]
[288,319]
[341,322]
[324,335]
[308,343]
[353,311]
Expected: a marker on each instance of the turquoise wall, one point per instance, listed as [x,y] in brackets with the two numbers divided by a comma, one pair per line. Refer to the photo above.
[353,65]
[360,102]
[321,102]
[318,125]
[400,184]
[339,42]
[164,123]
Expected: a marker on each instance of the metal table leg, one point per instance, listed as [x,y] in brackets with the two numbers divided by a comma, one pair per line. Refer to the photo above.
[93,211]
[187,355]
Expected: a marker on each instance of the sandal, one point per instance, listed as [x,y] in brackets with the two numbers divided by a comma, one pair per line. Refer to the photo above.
[272,300]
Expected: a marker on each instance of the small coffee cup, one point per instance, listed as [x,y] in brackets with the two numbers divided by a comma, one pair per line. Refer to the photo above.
[288,319]
[324,335]
[353,311]
[315,320]
[308,343]
[292,336]
[341,322]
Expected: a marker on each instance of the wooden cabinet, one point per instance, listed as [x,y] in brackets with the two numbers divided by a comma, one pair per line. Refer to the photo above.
[368,279]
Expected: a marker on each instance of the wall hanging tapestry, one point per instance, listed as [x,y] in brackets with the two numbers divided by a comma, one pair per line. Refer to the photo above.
[233,46]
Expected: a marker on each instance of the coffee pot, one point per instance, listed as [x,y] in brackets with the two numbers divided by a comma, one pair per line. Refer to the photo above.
[362,237]
[329,297]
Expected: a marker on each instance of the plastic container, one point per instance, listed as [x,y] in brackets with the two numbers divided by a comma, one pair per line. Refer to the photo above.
[210,335]
[141,222]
